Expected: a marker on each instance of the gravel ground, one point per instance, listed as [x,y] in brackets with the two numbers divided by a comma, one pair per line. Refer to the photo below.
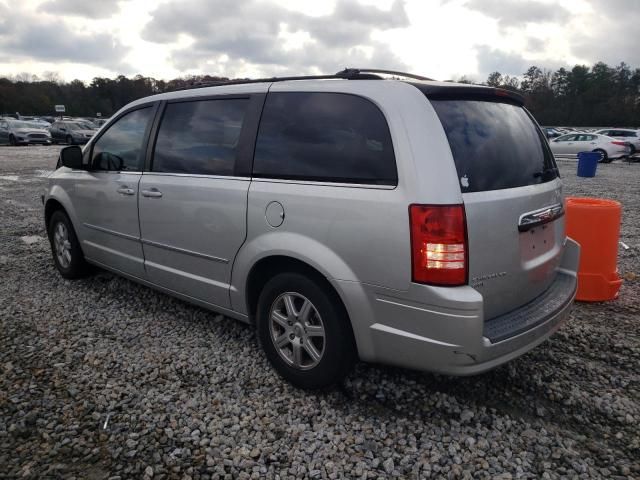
[102,378]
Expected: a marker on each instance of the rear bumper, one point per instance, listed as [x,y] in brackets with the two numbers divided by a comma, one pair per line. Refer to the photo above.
[449,335]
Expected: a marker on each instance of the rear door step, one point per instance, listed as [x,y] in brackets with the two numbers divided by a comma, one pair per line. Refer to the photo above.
[534,313]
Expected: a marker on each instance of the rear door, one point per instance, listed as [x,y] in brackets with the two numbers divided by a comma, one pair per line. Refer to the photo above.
[193,199]
[582,143]
[512,197]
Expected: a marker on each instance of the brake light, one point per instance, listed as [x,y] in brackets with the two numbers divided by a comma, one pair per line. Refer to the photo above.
[615,142]
[438,244]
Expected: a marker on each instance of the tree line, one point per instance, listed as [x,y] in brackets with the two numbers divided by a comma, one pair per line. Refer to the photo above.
[582,96]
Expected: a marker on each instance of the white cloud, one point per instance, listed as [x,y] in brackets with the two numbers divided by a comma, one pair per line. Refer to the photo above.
[437,38]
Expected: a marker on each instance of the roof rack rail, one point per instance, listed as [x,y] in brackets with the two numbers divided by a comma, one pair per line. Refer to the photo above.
[346,74]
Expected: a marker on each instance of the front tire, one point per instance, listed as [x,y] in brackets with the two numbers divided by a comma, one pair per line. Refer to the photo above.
[67,254]
[12,141]
[304,331]
[69,140]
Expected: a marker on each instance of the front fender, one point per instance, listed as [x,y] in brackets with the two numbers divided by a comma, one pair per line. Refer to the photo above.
[59,194]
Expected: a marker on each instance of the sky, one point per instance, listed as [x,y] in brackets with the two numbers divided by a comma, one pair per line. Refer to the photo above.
[441,39]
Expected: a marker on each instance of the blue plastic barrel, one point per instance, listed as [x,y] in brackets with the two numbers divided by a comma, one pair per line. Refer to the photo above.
[588,163]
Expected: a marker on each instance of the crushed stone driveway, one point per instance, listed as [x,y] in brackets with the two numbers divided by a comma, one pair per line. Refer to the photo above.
[104,379]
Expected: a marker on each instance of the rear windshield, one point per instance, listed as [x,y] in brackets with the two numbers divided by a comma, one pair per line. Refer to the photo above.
[494,145]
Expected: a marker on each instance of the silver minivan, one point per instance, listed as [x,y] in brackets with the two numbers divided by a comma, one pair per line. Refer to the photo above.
[348,216]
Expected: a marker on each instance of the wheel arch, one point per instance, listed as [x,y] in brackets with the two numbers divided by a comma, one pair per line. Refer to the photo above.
[272,265]
[57,199]
[49,208]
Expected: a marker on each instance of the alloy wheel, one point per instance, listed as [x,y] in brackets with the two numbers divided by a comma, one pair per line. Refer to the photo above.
[62,245]
[297,330]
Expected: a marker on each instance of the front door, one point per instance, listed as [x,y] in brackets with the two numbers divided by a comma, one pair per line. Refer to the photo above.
[4,132]
[193,201]
[106,198]
[562,145]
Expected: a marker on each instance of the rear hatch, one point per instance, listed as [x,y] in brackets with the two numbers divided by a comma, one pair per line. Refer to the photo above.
[511,192]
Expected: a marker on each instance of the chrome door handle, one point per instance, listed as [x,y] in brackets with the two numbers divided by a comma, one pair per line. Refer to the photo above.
[126,190]
[153,193]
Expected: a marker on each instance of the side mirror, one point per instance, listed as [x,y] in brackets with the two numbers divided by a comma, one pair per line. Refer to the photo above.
[71,157]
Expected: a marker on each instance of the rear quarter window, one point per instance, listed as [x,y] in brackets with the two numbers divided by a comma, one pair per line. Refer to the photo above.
[328,137]
[495,145]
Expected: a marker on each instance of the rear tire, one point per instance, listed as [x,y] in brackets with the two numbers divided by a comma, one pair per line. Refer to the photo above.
[304,331]
[605,158]
[65,247]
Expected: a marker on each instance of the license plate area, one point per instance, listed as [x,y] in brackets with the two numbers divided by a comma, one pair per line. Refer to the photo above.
[537,241]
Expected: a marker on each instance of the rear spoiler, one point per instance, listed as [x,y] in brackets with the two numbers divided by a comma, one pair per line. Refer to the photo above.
[463,91]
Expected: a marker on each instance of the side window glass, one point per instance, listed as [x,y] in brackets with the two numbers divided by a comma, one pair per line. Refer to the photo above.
[120,147]
[200,137]
[322,136]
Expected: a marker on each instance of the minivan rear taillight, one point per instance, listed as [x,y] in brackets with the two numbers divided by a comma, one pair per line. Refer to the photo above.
[438,244]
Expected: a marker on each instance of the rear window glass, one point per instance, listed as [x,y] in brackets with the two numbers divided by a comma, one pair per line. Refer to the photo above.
[494,145]
[329,137]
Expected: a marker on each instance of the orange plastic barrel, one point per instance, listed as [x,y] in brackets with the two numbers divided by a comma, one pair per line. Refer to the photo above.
[595,224]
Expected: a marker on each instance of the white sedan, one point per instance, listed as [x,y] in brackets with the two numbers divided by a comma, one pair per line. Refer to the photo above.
[625,135]
[568,146]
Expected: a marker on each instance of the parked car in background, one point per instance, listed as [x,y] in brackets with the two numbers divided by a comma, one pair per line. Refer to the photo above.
[551,132]
[90,123]
[256,199]
[71,132]
[40,122]
[573,143]
[624,134]
[100,121]
[18,132]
